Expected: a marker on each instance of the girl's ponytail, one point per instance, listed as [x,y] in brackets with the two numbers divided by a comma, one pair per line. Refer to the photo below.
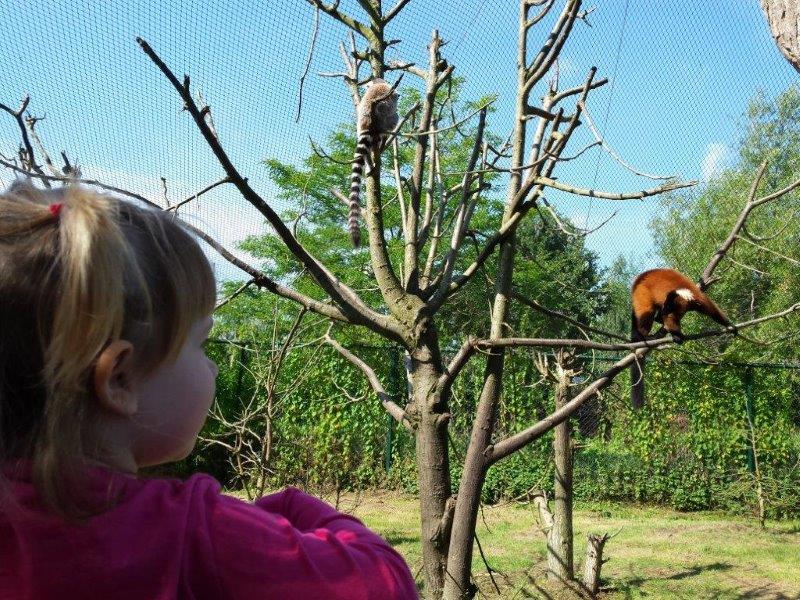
[78,270]
[88,312]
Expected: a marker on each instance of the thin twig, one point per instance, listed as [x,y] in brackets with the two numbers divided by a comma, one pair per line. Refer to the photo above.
[414,134]
[765,249]
[30,158]
[195,196]
[31,121]
[554,313]
[308,63]
[69,179]
[601,140]
[241,289]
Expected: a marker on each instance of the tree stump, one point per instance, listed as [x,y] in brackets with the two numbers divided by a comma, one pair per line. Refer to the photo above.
[594,561]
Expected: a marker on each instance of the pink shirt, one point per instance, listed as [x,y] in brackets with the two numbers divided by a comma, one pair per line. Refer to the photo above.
[167,538]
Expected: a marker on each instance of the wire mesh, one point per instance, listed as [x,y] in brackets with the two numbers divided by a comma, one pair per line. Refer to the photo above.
[681,77]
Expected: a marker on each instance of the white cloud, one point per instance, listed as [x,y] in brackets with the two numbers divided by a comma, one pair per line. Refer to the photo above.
[221,213]
[714,161]
[579,219]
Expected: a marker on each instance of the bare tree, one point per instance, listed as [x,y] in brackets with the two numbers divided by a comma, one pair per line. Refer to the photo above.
[557,525]
[435,223]
[249,432]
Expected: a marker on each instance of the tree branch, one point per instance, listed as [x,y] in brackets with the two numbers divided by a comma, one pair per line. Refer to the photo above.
[723,249]
[394,11]
[453,126]
[69,179]
[348,301]
[553,45]
[240,290]
[487,344]
[458,362]
[391,407]
[495,452]
[667,187]
[559,96]
[520,207]
[601,140]
[499,450]
[576,231]
[308,65]
[769,250]
[432,84]
[30,157]
[208,188]
[391,288]
[333,10]
[554,313]
[464,209]
[31,123]
[752,202]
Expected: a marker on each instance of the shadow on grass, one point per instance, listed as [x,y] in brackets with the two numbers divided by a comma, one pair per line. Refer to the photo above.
[769,591]
[396,537]
[538,586]
[695,571]
[765,592]
[626,585]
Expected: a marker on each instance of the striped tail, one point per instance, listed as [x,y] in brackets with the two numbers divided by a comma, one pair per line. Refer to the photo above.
[359,158]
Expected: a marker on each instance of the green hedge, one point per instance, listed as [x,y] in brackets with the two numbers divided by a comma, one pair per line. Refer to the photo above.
[686,449]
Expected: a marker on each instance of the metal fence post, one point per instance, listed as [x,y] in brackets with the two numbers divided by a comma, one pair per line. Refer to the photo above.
[748,403]
[394,379]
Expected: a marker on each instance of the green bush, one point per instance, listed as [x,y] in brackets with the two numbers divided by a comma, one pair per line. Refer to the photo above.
[686,449]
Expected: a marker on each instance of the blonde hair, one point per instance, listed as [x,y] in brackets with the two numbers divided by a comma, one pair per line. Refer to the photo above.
[71,281]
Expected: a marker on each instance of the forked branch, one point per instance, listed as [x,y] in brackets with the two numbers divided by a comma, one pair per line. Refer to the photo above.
[347,300]
[391,407]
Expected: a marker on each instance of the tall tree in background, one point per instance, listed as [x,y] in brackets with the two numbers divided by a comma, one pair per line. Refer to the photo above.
[762,271]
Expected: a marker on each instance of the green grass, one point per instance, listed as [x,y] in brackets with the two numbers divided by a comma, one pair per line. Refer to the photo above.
[658,553]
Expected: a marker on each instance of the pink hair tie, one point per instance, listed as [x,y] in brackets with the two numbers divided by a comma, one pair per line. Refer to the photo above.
[56,208]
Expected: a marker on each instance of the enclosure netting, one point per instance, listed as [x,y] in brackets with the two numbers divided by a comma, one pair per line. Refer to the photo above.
[681,75]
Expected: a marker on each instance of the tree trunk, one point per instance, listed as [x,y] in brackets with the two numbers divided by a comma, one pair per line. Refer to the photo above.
[783,17]
[458,585]
[594,562]
[433,467]
[559,542]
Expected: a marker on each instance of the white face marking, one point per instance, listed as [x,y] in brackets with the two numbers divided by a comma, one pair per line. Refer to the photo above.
[686,294]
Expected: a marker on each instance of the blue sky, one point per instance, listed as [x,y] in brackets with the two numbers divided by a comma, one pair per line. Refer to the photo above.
[682,72]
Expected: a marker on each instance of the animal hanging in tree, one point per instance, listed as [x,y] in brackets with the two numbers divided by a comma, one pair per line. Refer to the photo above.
[377,116]
[664,295]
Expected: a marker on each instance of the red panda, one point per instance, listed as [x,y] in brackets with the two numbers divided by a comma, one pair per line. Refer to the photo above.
[664,295]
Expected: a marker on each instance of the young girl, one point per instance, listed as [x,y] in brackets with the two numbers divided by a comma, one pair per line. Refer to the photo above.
[104,308]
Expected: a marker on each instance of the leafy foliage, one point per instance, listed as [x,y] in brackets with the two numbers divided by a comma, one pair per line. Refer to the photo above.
[687,448]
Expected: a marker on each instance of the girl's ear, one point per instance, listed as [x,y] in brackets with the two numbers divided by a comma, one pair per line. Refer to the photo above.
[113,379]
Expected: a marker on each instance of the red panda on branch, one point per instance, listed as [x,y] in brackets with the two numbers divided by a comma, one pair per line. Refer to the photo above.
[664,295]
